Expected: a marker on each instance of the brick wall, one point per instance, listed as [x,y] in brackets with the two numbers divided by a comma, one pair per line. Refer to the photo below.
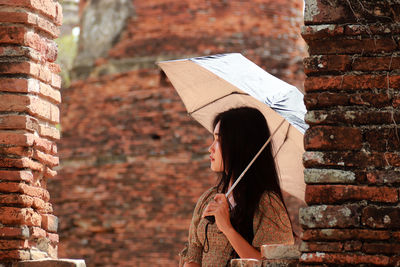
[352,156]
[132,162]
[29,113]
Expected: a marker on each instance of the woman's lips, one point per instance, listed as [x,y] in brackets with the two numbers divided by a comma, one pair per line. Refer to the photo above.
[211,158]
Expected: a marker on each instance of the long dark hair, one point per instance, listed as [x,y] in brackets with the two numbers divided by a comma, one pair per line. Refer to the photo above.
[242,133]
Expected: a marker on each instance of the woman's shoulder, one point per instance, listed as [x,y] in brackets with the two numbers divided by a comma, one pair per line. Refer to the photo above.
[205,197]
[271,199]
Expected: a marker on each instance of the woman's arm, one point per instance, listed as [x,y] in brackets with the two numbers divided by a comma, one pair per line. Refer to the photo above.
[220,209]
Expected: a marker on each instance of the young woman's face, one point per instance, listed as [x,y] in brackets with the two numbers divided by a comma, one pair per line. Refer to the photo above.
[217,163]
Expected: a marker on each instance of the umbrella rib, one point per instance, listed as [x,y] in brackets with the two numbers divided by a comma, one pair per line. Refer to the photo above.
[215,100]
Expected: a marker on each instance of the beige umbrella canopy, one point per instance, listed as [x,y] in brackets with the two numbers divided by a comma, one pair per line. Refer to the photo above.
[213,84]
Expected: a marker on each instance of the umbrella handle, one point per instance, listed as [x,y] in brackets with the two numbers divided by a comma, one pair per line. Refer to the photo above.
[251,162]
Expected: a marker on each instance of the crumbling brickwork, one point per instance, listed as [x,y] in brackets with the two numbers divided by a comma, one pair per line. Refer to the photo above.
[133,163]
[352,156]
[29,113]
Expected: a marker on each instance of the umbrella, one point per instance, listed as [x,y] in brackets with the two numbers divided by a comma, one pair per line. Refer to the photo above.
[212,84]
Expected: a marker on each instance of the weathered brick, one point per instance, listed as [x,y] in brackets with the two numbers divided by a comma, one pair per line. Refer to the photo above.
[383,177]
[360,117]
[328,176]
[37,232]
[320,11]
[19,255]
[21,163]
[16,151]
[16,176]
[16,138]
[352,45]
[314,159]
[383,139]
[32,19]
[46,159]
[321,246]
[18,122]
[381,217]
[34,105]
[378,248]
[20,216]
[13,244]
[323,63]
[51,9]
[343,258]
[49,223]
[331,194]
[346,82]
[345,234]
[353,245]
[324,216]
[49,132]
[16,199]
[39,192]
[14,232]
[332,138]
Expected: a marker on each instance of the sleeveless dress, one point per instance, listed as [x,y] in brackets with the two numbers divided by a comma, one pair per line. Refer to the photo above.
[271,225]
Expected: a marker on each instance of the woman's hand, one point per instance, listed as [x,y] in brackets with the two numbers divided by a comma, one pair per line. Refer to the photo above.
[219,208]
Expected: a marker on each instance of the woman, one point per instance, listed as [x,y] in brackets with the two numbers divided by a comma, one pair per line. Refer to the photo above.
[254,214]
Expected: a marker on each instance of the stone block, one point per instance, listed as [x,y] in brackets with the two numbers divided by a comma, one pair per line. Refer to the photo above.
[51,263]
[280,252]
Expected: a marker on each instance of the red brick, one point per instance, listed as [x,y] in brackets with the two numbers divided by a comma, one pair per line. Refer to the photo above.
[12,35]
[37,233]
[45,145]
[379,248]
[354,245]
[347,45]
[381,217]
[346,82]
[14,232]
[343,258]
[313,32]
[16,151]
[18,122]
[25,189]
[19,255]
[50,93]
[383,63]
[383,177]
[19,216]
[321,246]
[331,194]
[13,244]
[322,12]
[49,223]
[39,205]
[46,159]
[51,9]
[16,176]
[16,199]
[325,63]
[50,132]
[49,173]
[21,163]
[332,138]
[325,99]
[383,139]
[16,103]
[345,234]
[53,238]
[20,51]
[16,138]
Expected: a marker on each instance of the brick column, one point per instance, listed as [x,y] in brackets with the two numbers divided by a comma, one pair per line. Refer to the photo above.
[29,114]
[352,156]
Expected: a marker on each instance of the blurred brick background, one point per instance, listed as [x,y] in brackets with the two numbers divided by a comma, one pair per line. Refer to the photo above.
[132,162]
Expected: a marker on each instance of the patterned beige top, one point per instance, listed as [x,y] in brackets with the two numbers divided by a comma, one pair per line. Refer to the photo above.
[271,225]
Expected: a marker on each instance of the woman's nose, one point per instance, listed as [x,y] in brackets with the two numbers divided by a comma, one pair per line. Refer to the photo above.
[211,148]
